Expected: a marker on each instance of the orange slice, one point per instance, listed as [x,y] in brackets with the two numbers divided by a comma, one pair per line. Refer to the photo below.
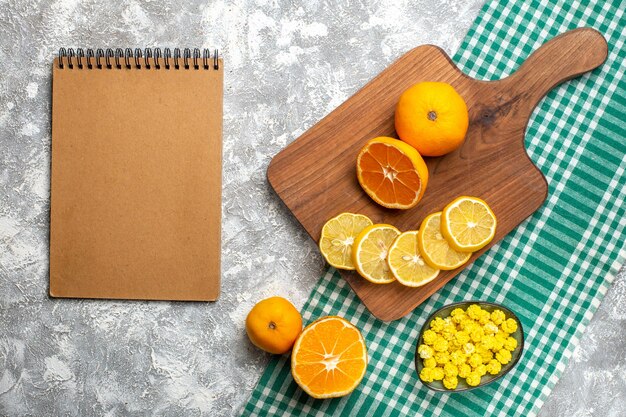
[329,358]
[392,173]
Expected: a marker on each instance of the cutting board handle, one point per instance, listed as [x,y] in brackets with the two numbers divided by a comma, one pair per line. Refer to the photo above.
[562,58]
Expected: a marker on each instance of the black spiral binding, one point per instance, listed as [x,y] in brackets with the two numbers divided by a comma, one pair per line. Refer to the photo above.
[149,59]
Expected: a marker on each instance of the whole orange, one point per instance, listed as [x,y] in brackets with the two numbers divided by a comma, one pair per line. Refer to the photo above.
[273,325]
[432,117]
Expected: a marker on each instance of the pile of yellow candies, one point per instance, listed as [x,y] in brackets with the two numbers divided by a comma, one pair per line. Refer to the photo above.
[468,344]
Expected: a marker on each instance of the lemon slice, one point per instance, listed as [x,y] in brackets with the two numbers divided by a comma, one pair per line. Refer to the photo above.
[407,264]
[468,224]
[338,235]
[435,249]
[369,252]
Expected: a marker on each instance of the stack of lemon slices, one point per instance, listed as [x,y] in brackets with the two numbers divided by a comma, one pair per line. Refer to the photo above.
[382,254]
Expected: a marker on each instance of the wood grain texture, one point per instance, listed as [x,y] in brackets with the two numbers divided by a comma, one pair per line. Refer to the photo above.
[315,175]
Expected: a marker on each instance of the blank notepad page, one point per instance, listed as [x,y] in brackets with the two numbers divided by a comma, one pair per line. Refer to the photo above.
[136,179]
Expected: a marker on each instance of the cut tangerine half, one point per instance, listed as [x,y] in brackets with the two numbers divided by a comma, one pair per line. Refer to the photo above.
[329,358]
[392,173]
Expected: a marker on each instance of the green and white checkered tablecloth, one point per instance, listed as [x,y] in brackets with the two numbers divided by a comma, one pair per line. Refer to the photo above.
[553,270]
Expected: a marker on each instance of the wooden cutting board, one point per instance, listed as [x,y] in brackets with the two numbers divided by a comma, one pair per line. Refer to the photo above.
[315,175]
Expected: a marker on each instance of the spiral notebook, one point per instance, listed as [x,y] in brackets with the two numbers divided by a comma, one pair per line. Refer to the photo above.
[136,174]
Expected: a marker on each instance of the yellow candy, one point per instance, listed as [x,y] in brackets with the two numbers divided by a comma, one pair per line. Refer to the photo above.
[442,357]
[494,367]
[458,315]
[498,342]
[473,379]
[425,351]
[497,316]
[437,324]
[474,311]
[477,335]
[454,345]
[487,342]
[429,337]
[490,328]
[468,325]
[430,363]
[450,370]
[465,369]
[440,345]
[437,373]
[485,354]
[449,332]
[448,336]
[449,327]
[467,344]
[462,337]
[476,360]
[458,357]
[480,348]
[457,312]
[510,344]
[427,375]
[503,356]
[469,348]
[509,325]
[483,317]
[450,382]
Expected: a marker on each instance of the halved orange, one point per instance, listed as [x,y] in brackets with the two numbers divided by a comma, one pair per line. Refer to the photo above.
[329,358]
[392,173]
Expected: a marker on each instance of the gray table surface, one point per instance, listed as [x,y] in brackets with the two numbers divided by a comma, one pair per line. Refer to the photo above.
[287,65]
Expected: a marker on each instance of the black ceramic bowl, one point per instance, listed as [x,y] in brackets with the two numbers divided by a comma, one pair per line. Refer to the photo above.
[486,379]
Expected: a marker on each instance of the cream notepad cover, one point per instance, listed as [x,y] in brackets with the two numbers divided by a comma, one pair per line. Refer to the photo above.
[136,176]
